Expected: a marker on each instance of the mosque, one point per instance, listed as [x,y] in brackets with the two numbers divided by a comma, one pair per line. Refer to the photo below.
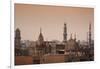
[51,51]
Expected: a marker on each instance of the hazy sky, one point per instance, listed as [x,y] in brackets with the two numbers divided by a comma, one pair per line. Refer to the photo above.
[29,19]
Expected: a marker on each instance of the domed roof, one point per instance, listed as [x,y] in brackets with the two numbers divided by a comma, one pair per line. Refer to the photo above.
[17,33]
[17,30]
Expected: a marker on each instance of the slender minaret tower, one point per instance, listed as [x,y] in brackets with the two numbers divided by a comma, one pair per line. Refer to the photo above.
[87,38]
[75,36]
[89,34]
[17,42]
[70,36]
[40,38]
[17,38]
[65,33]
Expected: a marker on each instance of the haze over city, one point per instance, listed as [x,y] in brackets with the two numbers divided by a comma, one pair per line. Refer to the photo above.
[30,18]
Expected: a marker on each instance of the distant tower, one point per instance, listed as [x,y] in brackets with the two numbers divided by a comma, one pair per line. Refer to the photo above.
[89,34]
[75,36]
[17,42]
[65,33]
[87,38]
[17,38]
[71,36]
[40,38]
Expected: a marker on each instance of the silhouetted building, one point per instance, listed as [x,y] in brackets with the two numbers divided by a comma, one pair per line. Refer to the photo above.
[17,42]
[72,49]
[72,45]
[60,48]
[17,38]
[20,48]
[40,47]
[40,51]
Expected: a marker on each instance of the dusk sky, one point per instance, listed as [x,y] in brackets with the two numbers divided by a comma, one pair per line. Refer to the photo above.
[30,18]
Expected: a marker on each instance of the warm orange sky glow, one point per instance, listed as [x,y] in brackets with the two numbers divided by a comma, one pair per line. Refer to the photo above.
[29,18]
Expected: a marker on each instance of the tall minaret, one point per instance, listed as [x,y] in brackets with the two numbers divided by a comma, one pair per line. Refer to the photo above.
[75,36]
[87,38]
[40,38]
[17,38]
[65,33]
[71,36]
[89,34]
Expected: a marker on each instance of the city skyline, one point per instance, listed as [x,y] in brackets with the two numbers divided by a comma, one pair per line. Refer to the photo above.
[30,18]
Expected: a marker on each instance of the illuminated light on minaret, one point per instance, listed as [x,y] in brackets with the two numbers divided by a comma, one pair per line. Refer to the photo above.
[65,33]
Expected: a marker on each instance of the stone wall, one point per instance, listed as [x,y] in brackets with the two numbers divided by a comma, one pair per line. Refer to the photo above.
[23,60]
[58,58]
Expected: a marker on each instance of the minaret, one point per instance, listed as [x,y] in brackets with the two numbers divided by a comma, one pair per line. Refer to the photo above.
[87,38]
[75,36]
[89,34]
[40,30]
[71,36]
[40,39]
[17,38]
[65,33]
